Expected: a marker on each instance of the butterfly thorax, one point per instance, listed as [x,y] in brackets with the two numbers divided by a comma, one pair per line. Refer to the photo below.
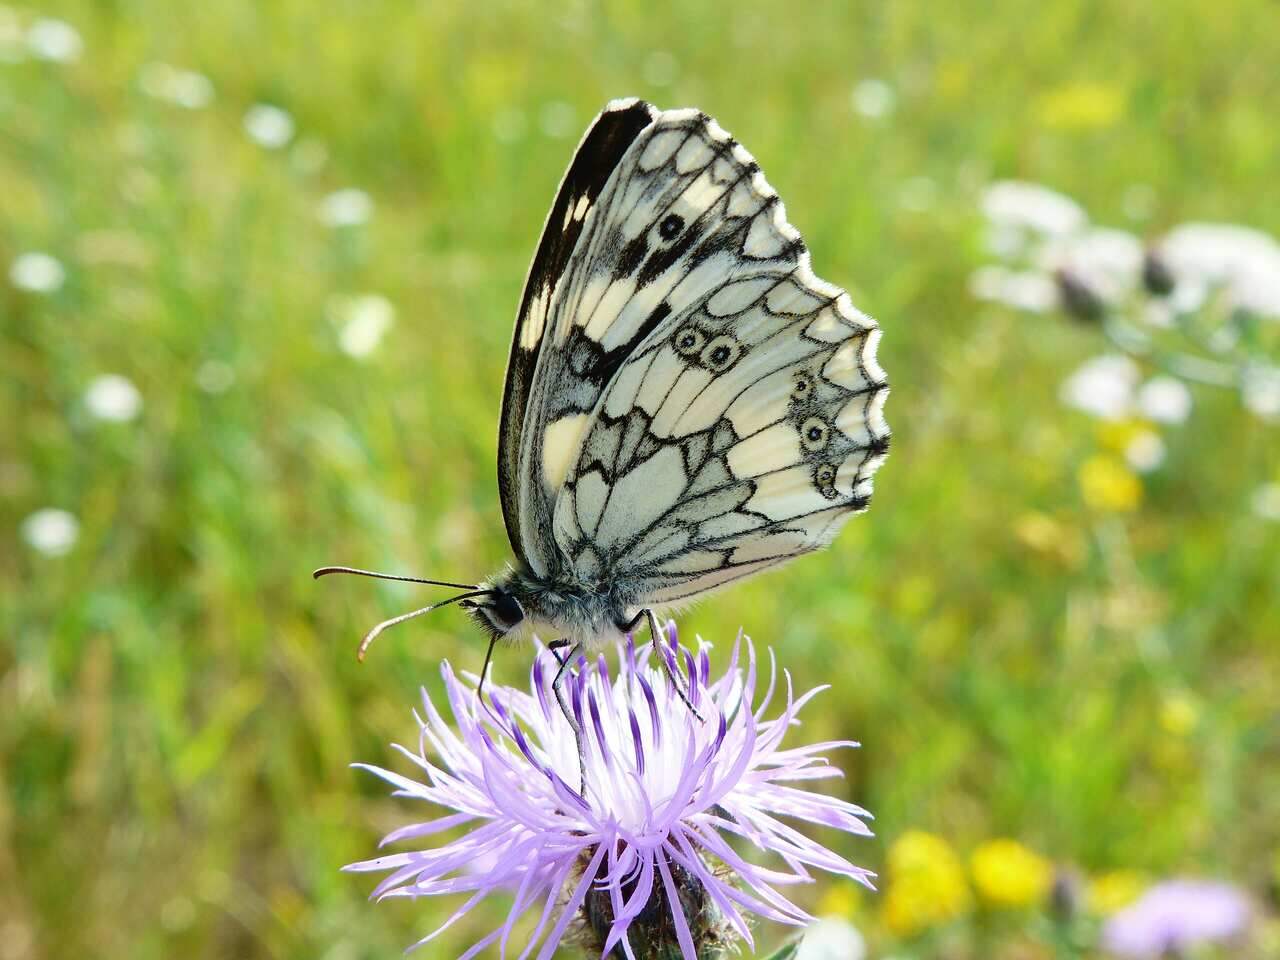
[588,612]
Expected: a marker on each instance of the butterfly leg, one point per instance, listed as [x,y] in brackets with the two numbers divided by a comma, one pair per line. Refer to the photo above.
[555,646]
[557,686]
[655,633]
[484,672]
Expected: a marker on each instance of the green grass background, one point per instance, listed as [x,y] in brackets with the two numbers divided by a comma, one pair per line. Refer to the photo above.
[179,701]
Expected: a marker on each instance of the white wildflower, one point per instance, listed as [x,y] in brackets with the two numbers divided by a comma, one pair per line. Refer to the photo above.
[1032,207]
[1201,257]
[873,99]
[1165,400]
[1266,502]
[1145,451]
[182,88]
[1021,289]
[268,126]
[1102,387]
[113,398]
[832,938]
[36,272]
[362,322]
[54,40]
[1260,392]
[1108,262]
[349,207]
[51,531]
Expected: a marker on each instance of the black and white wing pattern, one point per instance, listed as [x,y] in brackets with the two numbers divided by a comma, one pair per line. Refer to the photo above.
[694,405]
[526,500]
[741,420]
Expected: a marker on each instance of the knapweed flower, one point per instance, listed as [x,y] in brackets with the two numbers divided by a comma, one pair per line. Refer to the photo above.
[641,864]
[1176,916]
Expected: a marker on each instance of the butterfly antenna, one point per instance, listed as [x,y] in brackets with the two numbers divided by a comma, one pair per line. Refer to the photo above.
[325,571]
[373,634]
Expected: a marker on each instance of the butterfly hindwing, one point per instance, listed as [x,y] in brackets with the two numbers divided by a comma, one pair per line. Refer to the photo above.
[739,421]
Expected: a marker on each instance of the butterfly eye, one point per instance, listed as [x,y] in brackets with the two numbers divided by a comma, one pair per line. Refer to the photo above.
[824,478]
[670,226]
[721,354]
[507,611]
[814,434]
[689,341]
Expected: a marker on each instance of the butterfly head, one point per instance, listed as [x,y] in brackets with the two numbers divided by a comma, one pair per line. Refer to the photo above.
[499,612]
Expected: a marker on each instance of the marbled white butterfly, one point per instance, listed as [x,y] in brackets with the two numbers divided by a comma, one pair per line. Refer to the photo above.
[686,403]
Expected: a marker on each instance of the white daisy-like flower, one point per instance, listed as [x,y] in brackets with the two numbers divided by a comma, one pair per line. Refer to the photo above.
[1260,391]
[362,323]
[1165,399]
[51,531]
[37,272]
[1105,262]
[832,938]
[268,126]
[873,98]
[1027,290]
[54,40]
[182,88]
[349,207]
[1145,451]
[1032,208]
[113,398]
[1200,257]
[1266,502]
[1103,387]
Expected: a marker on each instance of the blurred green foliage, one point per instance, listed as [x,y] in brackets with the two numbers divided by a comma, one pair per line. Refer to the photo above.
[180,701]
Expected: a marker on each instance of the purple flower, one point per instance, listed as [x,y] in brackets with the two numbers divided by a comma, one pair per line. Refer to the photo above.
[645,855]
[1174,916]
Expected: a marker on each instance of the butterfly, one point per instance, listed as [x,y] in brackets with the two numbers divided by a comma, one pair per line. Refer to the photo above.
[686,404]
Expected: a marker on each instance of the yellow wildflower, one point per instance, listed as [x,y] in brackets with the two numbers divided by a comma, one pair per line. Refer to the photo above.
[1108,485]
[926,884]
[1179,714]
[1081,106]
[1117,435]
[1114,890]
[840,900]
[1007,874]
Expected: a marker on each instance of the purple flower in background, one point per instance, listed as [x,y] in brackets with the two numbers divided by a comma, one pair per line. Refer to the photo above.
[643,861]
[1174,916]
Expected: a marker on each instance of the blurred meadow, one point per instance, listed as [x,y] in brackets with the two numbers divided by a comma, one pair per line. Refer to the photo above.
[260,267]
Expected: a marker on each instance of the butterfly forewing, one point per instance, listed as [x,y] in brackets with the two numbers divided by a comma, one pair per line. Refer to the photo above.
[525,506]
[703,407]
